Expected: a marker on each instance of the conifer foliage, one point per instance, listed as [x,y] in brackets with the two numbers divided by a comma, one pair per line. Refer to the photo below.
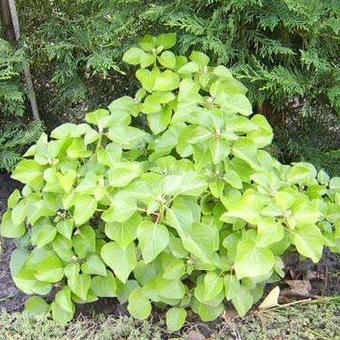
[15,131]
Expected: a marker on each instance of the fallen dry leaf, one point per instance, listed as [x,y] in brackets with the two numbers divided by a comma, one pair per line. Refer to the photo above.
[299,287]
[272,299]
[196,335]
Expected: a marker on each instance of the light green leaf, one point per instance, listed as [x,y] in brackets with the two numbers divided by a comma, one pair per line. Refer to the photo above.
[123,206]
[66,181]
[305,213]
[121,260]
[147,59]
[123,233]
[159,121]
[65,228]
[232,178]
[166,81]
[139,306]
[213,285]
[234,103]
[84,241]
[246,150]
[219,149]
[242,300]
[167,59]
[96,117]
[80,285]
[251,261]
[200,58]
[127,136]
[188,183]
[205,312]
[27,171]
[166,40]
[104,286]
[122,173]
[43,233]
[308,241]
[146,79]
[190,67]
[302,173]
[94,266]
[153,239]
[268,232]
[175,318]
[133,55]
[46,266]
[334,183]
[36,305]
[13,199]
[78,149]
[9,229]
[63,300]
[84,209]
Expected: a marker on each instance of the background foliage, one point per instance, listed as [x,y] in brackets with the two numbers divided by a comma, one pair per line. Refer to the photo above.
[15,131]
[285,50]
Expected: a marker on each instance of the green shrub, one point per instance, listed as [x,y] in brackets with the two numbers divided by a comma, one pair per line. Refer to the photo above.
[11,92]
[16,133]
[15,136]
[188,214]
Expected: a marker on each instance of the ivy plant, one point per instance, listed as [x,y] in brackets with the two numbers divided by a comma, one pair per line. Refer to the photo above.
[190,213]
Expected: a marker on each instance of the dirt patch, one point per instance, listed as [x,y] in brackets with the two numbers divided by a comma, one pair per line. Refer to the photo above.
[11,298]
[324,276]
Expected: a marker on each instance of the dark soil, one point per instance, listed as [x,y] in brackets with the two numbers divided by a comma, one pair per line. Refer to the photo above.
[11,298]
[324,276]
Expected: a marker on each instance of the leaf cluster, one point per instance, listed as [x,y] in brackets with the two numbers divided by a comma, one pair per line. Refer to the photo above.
[189,214]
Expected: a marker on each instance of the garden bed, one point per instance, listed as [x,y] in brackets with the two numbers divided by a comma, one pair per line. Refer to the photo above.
[324,279]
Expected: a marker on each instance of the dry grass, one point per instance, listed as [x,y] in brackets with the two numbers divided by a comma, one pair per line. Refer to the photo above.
[312,321]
